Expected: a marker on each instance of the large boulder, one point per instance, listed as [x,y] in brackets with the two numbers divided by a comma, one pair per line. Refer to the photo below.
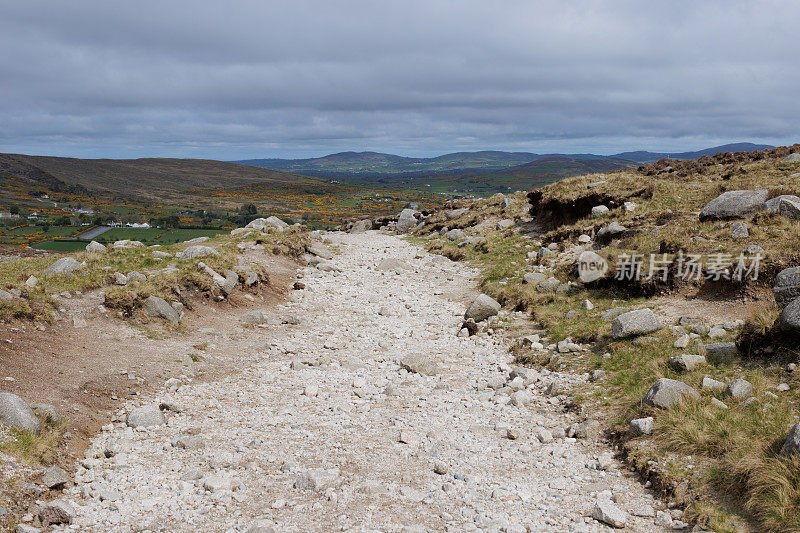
[65,265]
[270,222]
[666,393]
[789,208]
[591,267]
[407,220]
[15,412]
[159,308]
[361,226]
[95,247]
[633,323]
[739,389]
[320,250]
[198,250]
[721,352]
[787,286]
[482,308]
[791,158]
[734,204]
[790,316]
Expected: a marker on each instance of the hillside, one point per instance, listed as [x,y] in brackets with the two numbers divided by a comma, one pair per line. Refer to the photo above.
[549,169]
[649,157]
[149,177]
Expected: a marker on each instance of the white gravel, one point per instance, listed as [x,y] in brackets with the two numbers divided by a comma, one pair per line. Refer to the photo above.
[317,447]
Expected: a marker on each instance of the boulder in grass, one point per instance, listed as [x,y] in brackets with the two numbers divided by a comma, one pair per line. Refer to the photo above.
[65,265]
[159,308]
[197,250]
[734,204]
[482,308]
[721,352]
[686,362]
[407,220]
[15,412]
[789,209]
[599,210]
[591,267]
[787,286]
[790,317]
[634,323]
[791,158]
[532,278]
[95,247]
[666,393]
[612,231]
[773,204]
[739,389]
[792,444]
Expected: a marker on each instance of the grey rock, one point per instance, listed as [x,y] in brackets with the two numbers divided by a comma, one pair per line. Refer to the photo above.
[542,253]
[792,443]
[613,230]
[591,267]
[482,308]
[5,295]
[504,224]
[666,393]
[146,416]
[791,158]
[607,512]
[734,204]
[134,276]
[787,286]
[712,384]
[789,208]
[790,316]
[189,442]
[406,220]
[159,308]
[420,364]
[599,210]
[455,213]
[254,317]
[55,478]
[588,429]
[773,204]
[641,426]
[15,412]
[739,230]
[317,479]
[320,250]
[195,251]
[632,323]
[533,278]
[739,389]
[47,412]
[120,279]
[95,247]
[717,403]
[721,352]
[361,226]
[686,362]
[158,254]
[455,235]
[65,265]
[549,285]
[57,512]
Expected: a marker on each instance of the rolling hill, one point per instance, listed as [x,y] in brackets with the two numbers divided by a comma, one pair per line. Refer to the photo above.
[364,167]
[151,178]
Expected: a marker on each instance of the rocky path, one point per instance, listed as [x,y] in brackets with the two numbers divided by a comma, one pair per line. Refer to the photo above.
[321,427]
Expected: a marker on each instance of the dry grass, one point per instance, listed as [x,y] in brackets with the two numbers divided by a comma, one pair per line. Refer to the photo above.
[36,450]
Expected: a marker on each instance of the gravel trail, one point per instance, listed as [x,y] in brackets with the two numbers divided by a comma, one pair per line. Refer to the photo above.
[320,429]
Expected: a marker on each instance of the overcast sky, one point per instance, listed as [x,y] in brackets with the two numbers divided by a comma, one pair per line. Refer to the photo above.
[261,78]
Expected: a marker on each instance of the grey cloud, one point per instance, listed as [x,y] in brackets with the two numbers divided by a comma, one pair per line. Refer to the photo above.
[248,78]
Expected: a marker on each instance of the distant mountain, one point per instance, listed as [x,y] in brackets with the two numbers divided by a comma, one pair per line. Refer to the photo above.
[354,163]
[647,157]
[362,166]
[562,167]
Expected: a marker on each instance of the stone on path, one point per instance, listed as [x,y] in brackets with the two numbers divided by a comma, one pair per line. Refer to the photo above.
[146,416]
[57,512]
[607,512]
[159,308]
[407,220]
[420,364]
[641,426]
[55,478]
[482,308]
